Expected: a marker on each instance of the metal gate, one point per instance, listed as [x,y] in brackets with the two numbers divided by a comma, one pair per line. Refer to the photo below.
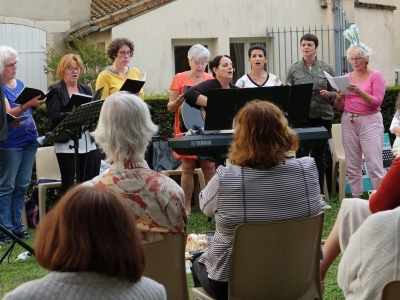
[283,45]
[30,44]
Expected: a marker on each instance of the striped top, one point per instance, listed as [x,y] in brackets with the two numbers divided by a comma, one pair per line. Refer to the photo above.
[285,192]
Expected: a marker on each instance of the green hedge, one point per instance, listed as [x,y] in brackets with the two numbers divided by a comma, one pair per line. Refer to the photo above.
[158,106]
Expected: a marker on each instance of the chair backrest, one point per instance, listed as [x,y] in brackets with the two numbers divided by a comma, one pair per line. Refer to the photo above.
[277,260]
[47,164]
[165,263]
[337,142]
[391,291]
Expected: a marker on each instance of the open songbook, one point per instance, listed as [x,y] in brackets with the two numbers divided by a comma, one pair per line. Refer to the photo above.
[339,83]
[78,99]
[134,85]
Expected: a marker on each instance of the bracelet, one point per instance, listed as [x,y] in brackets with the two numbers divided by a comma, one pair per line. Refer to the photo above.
[22,108]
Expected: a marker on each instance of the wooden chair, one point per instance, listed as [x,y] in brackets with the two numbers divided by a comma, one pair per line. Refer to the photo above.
[276,260]
[391,291]
[165,263]
[46,168]
[198,181]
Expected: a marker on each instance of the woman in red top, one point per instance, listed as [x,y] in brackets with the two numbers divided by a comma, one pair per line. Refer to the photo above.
[198,56]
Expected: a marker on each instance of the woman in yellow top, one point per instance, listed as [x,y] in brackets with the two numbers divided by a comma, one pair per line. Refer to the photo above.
[120,52]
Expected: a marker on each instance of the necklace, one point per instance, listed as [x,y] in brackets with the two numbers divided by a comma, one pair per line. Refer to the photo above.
[360,78]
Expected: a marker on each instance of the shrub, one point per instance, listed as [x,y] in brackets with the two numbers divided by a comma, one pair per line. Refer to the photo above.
[94,60]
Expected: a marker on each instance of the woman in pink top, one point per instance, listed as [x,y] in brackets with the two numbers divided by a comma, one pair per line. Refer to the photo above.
[362,126]
[198,56]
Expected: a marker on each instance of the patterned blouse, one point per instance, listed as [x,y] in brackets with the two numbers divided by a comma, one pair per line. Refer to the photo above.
[156,200]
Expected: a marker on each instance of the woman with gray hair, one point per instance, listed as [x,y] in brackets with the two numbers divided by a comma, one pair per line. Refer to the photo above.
[18,151]
[123,132]
[362,124]
[198,56]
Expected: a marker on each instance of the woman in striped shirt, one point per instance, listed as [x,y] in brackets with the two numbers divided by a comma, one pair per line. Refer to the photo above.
[261,185]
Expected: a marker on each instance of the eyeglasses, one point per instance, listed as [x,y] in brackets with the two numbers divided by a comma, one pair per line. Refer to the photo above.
[123,53]
[198,63]
[14,64]
[358,58]
[71,69]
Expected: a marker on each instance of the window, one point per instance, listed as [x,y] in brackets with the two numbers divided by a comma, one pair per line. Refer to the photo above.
[238,53]
[180,50]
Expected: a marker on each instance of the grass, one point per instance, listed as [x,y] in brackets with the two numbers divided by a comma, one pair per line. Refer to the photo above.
[15,273]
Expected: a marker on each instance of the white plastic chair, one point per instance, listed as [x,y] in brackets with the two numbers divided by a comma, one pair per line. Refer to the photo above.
[46,168]
[338,162]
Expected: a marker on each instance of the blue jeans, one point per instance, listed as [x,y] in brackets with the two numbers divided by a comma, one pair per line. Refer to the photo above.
[15,176]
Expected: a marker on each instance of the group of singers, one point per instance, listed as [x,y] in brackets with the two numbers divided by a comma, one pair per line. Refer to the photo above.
[261,139]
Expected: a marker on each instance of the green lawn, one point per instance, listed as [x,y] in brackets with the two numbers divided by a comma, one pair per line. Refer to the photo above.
[15,273]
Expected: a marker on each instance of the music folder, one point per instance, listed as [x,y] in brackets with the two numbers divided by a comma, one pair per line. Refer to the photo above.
[78,99]
[134,85]
[11,118]
[28,93]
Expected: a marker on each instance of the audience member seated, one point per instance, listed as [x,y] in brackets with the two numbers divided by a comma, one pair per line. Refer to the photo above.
[372,257]
[123,132]
[261,185]
[90,243]
[354,212]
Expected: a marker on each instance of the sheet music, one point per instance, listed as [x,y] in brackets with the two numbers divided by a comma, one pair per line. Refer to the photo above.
[339,82]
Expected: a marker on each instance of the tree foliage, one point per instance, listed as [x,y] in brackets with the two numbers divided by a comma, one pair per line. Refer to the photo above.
[94,60]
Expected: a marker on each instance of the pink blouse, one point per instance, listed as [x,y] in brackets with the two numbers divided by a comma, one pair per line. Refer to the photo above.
[374,85]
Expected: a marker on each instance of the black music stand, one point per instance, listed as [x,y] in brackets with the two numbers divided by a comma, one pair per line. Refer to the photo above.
[299,103]
[223,104]
[221,109]
[279,95]
[16,240]
[74,125]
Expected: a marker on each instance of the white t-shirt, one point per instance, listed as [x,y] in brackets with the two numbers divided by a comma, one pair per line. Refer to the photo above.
[246,82]
[85,145]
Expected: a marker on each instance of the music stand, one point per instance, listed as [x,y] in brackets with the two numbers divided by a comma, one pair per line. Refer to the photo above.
[74,125]
[299,103]
[221,109]
[16,240]
[279,95]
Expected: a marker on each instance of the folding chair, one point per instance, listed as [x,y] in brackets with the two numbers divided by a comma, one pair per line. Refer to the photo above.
[391,291]
[276,260]
[165,263]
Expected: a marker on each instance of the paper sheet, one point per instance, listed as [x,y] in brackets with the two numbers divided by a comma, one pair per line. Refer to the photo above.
[339,83]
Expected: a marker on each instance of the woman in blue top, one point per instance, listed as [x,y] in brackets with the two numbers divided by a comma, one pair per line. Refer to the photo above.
[18,151]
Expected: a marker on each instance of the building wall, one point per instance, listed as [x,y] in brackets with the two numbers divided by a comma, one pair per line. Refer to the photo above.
[54,17]
[155,33]
[396,26]
[74,11]
[381,41]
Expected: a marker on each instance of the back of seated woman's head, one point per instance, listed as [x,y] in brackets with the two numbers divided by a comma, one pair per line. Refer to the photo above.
[91,230]
[124,128]
[262,136]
